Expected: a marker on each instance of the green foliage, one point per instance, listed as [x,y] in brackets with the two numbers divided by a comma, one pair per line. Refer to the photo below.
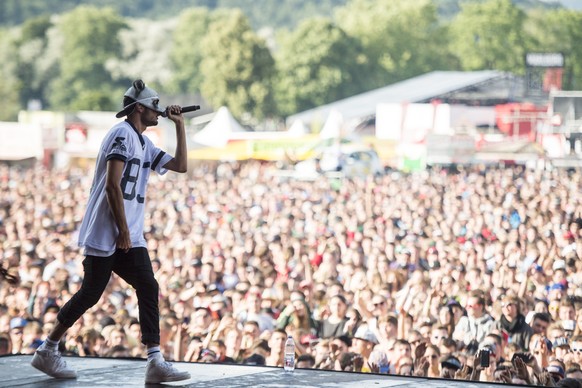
[319,63]
[185,56]
[559,31]
[402,38]
[279,13]
[85,57]
[286,13]
[10,85]
[490,35]
[237,68]
[146,53]
[90,38]
[32,72]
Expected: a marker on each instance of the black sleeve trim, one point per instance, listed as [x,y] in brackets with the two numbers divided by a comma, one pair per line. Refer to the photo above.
[116,156]
[157,160]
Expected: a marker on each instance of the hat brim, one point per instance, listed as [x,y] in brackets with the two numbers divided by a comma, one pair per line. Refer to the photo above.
[129,109]
[124,112]
[367,340]
[449,365]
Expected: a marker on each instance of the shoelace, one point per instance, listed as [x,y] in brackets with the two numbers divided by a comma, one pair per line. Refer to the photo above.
[166,367]
[62,364]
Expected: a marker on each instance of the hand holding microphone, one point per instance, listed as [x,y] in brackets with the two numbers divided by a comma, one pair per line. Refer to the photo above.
[184,109]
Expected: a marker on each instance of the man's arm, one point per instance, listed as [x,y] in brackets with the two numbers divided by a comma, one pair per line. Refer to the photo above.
[180,161]
[115,200]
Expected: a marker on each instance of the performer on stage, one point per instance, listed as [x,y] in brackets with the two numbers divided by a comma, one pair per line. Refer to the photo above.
[112,230]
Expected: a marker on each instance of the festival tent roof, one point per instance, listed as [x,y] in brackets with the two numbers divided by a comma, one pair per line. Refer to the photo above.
[219,130]
[419,89]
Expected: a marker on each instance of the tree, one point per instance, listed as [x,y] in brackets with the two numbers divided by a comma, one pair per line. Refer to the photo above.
[490,36]
[402,38]
[34,69]
[559,31]
[10,85]
[317,64]
[277,14]
[146,54]
[90,39]
[237,68]
[185,56]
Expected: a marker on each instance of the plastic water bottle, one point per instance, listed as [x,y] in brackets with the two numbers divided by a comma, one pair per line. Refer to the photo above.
[289,361]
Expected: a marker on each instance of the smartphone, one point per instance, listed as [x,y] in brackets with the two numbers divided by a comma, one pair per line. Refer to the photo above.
[525,357]
[484,356]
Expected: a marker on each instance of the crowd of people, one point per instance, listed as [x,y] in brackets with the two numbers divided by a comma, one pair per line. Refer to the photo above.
[467,274]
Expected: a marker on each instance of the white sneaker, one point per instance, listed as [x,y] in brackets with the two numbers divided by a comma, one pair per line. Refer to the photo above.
[51,363]
[163,371]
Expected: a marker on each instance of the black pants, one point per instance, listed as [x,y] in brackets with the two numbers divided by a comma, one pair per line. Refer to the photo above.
[135,268]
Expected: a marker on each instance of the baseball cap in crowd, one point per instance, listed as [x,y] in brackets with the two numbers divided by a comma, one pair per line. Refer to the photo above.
[139,93]
[207,355]
[453,302]
[254,359]
[17,322]
[212,288]
[345,339]
[51,307]
[366,334]
[558,286]
[76,279]
[37,263]
[308,339]
[561,342]
[296,296]
[269,294]
[219,298]
[106,321]
[559,264]
[451,362]
[556,370]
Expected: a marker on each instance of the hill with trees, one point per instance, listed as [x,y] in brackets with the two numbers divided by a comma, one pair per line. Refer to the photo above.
[83,57]
[261,13]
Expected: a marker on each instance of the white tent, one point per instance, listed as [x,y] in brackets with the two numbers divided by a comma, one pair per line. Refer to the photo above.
[333,125]
[298,128]
[218,131]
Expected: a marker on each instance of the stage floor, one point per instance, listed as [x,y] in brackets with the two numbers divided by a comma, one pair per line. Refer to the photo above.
[15,371]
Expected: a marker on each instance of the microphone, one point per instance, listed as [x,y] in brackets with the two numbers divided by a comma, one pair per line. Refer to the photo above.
[185,109]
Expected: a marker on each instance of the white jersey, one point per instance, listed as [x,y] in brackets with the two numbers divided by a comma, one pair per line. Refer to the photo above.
[98,232]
